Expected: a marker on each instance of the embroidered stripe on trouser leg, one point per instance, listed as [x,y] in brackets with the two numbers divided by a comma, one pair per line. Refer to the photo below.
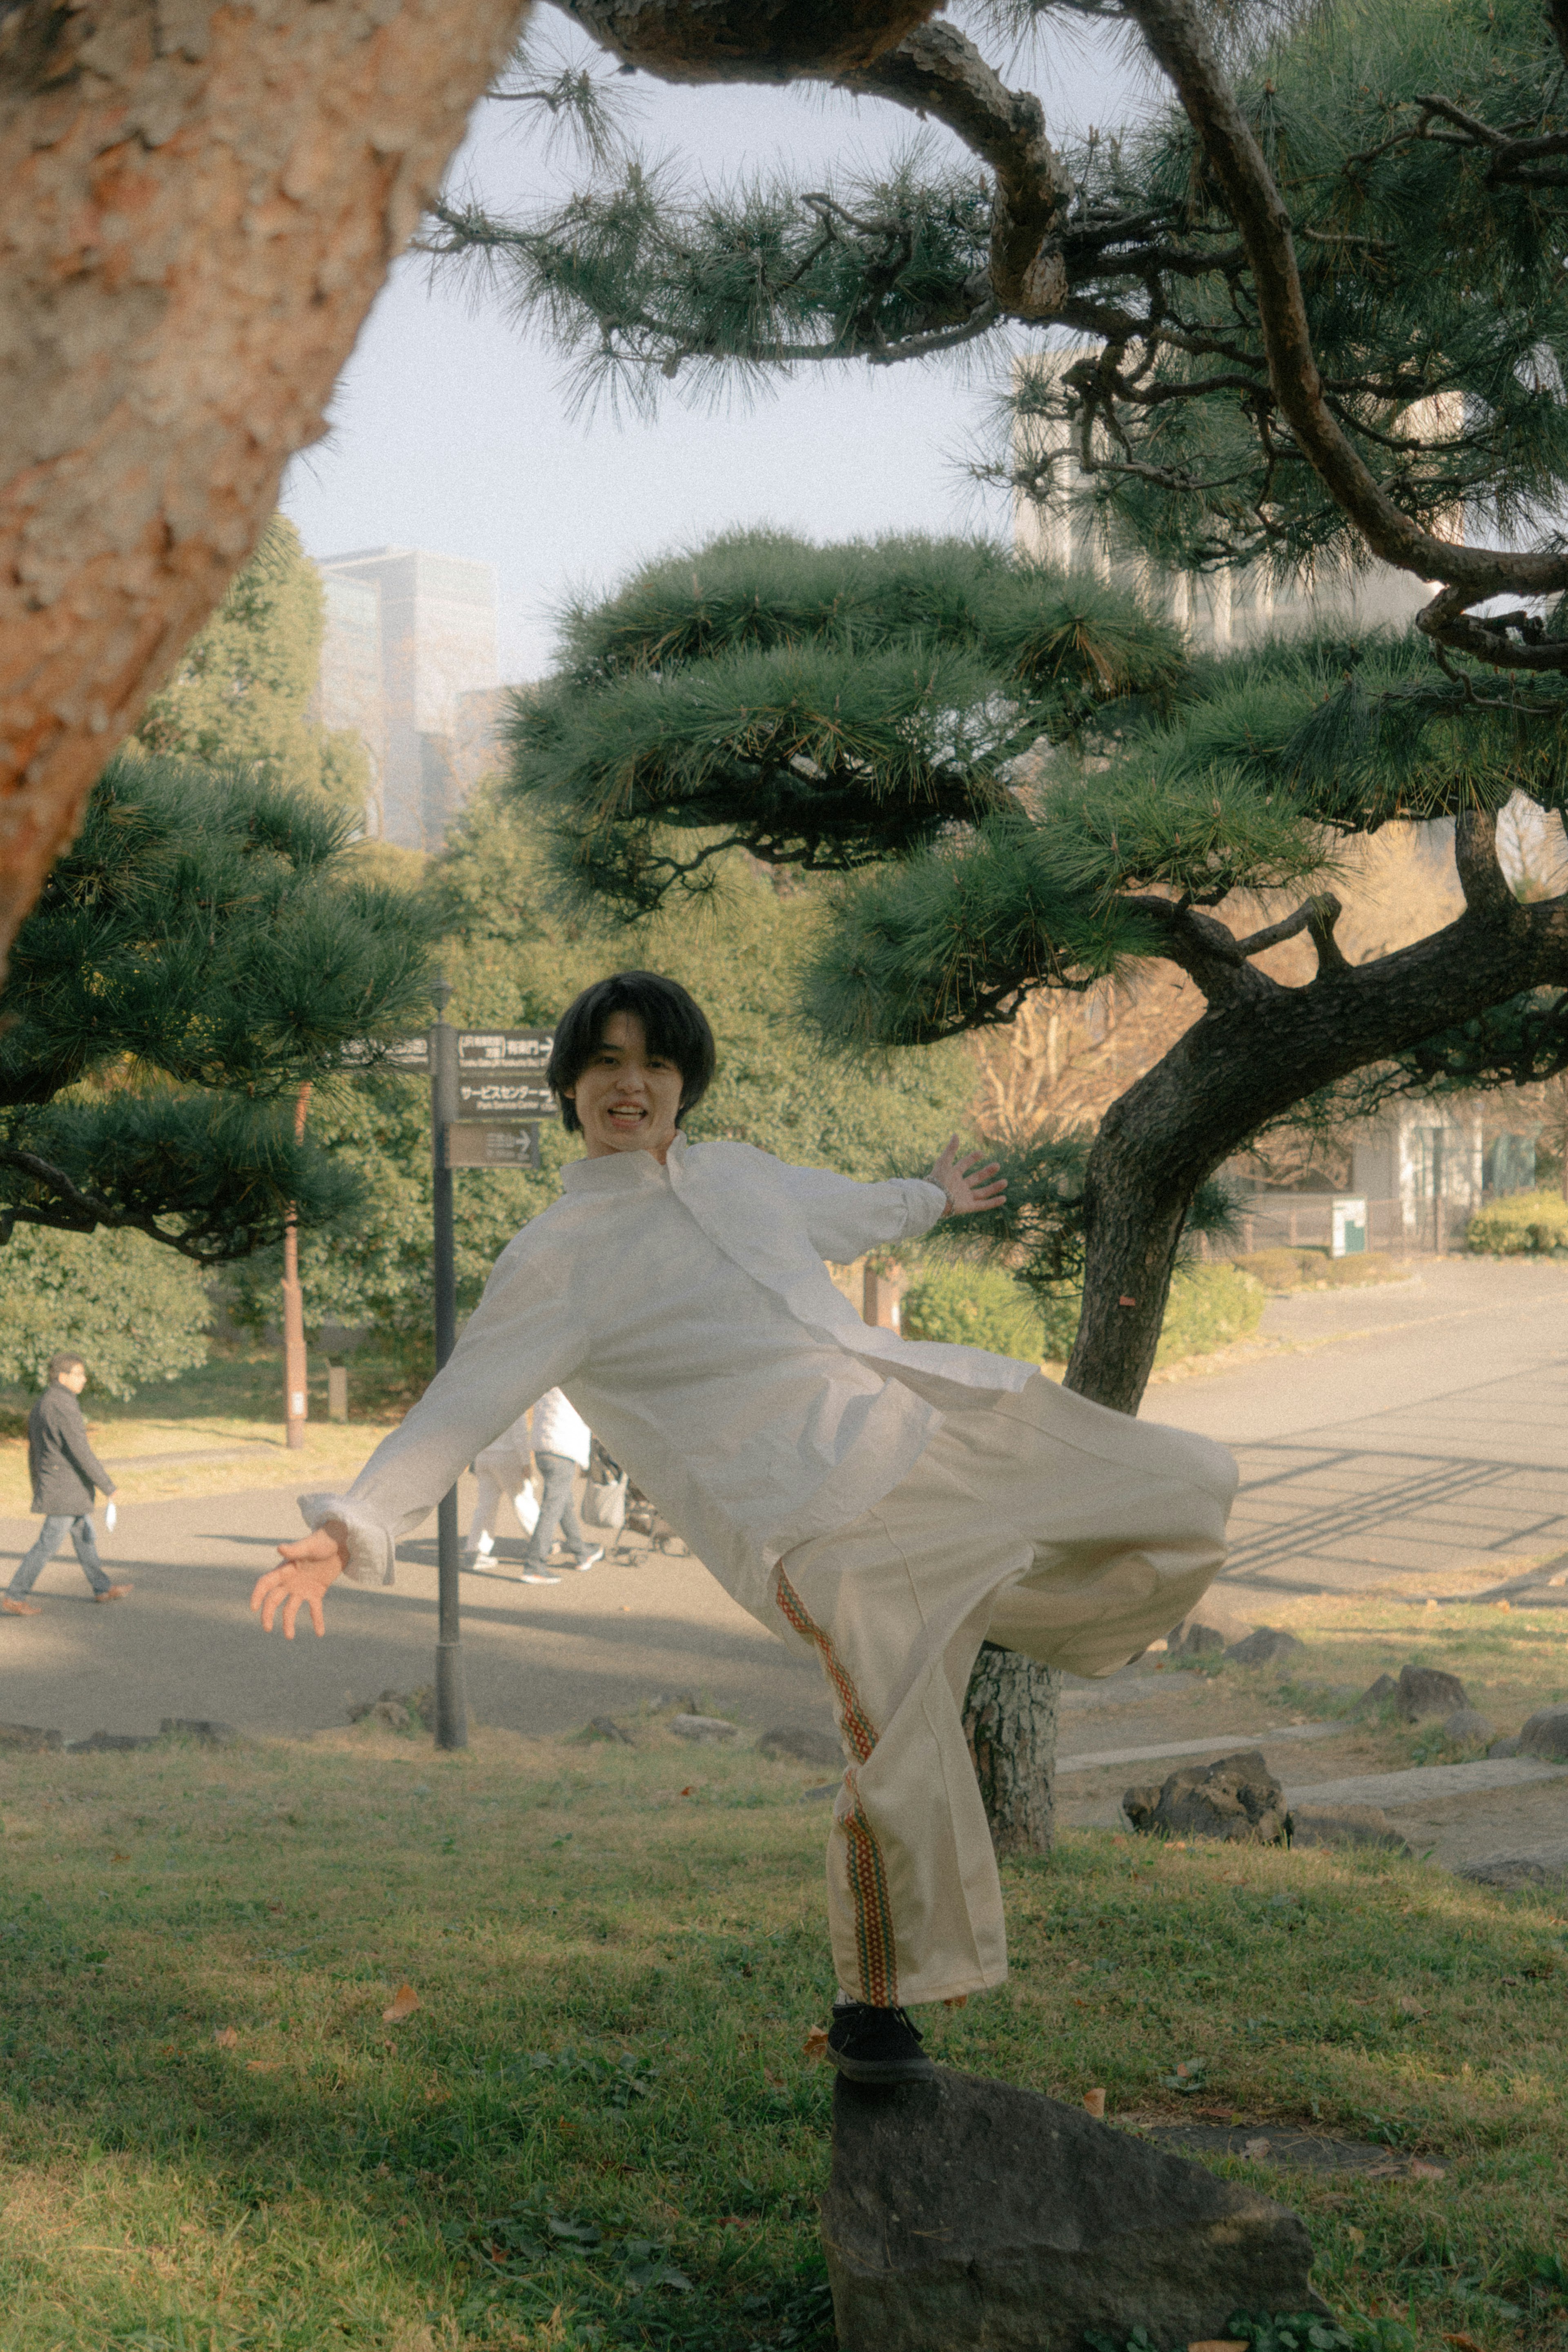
[1070,1532]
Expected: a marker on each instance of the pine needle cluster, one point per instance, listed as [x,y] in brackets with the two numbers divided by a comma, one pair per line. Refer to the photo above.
[201,951]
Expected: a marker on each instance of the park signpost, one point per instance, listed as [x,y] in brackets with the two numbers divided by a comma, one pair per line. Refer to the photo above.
[488,1095]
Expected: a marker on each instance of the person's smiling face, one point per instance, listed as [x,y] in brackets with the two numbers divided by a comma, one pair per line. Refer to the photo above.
[627,1098]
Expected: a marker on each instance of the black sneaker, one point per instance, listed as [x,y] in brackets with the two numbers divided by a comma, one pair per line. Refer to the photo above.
[876,2045]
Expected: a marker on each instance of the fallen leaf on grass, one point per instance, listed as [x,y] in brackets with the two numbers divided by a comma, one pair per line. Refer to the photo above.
[1421,2170]
[120,1857]
[226,2037]
[815,2045]
[264,2065]
[1357,2238]
[1095,2105]
[1463,2343]
[404,2002]
[1410,2005]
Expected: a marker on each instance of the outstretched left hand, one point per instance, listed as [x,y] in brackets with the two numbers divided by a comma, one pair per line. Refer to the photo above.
[967,1183]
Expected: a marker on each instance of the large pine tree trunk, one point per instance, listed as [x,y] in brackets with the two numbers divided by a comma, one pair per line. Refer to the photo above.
[1010,1717]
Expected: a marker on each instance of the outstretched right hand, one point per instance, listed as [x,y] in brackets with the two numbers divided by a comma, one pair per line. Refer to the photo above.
[309,1567]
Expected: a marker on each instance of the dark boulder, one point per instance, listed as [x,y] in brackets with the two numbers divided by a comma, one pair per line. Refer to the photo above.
[1546,1735]
[1263,1647]
[1236,1798]
[28,1739]
[968,2216]
[1423,1691]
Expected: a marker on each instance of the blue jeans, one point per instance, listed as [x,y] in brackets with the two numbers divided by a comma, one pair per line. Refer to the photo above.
[51,1535]
[558,1508]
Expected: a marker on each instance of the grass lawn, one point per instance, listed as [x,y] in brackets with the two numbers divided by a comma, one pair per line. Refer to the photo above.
[598,2126]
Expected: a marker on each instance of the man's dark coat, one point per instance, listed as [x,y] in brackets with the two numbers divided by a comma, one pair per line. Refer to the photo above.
[64,1466]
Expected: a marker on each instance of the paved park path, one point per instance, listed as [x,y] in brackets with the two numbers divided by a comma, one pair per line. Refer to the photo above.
[1425,1438]
[1421,1433]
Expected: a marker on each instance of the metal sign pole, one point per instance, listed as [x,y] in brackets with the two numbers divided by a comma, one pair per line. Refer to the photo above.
[451,1698]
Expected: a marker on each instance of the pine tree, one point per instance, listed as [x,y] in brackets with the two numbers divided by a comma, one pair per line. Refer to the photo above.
[203,948]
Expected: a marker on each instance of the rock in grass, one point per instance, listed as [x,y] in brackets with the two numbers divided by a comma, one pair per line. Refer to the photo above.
[604,1727]
[28,1739]
[807,1742]
[207,1735]
[1500,1747]
[1385,1688]
[1345,1826]
[1468,1727]
[962,2212]
[1546,1735]
[404,1711]
[1207,1630]
[1521,1873]
[1261,1648]
[702,1727]
[1236,1798]
[111,1743]
[1423,1691]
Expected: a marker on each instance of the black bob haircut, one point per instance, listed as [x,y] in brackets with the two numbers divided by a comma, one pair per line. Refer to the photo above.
[674,1024]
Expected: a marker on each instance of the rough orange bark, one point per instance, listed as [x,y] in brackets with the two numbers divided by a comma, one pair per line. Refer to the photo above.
[199,204]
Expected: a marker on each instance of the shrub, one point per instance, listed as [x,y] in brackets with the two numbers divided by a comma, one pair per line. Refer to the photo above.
[1534,1221]
[975,1307]
[137,1311]
[981,1306]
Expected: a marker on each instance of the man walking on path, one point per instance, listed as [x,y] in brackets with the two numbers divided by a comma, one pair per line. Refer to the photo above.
[890,1504]
[65,1473]
[563,1444]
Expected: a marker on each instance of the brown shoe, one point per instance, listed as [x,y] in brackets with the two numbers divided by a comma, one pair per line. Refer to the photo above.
[18,1608]
[115,1592]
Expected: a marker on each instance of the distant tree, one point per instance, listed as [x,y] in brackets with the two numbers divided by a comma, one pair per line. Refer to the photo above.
[243,688]
[203,949]
[138,1313]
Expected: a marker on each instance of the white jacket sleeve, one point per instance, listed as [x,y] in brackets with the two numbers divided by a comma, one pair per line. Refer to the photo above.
[522,1338]
[845,1219]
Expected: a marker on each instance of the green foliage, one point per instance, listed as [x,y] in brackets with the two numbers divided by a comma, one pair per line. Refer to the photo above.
[1296,1269]
[1427,276]
[203,949]
[138,1313]
[821,707]
[979,1305]
[243,688]
[1534,1221]
[974,1306]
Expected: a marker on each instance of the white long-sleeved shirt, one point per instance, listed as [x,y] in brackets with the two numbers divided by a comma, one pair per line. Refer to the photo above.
[687,1314]
[559,1428]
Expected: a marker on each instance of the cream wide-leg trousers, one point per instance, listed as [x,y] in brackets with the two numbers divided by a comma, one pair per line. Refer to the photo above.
[1045,1523]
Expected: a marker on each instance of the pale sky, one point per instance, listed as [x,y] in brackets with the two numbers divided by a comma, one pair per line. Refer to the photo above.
[451,432]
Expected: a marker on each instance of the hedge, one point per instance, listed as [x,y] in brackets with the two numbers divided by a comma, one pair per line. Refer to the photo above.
[1520,1222]
[982,1306]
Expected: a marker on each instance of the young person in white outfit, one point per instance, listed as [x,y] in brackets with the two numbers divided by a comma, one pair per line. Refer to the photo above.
[889,1504]
[563,1444]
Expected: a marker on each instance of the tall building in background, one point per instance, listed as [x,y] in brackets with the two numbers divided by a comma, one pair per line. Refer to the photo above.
[433,638]
[1222,610]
